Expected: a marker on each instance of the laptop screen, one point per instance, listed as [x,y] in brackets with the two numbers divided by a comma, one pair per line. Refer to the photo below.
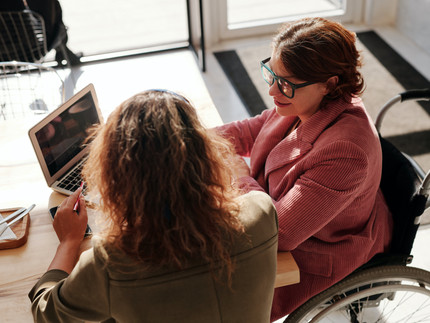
[64,136]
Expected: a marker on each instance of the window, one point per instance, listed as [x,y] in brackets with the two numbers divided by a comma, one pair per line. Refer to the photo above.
[242,13]
[124,25]
[241,18]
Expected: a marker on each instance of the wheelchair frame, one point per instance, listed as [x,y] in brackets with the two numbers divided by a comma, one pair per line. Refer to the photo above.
[385,289]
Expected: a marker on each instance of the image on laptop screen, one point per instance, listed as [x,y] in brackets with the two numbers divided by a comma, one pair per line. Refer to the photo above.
[63,137]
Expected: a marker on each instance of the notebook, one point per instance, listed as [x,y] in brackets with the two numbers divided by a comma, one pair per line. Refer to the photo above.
[59,139]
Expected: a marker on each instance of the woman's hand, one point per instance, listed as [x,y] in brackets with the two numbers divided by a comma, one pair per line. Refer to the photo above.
[70,228]
[68,224]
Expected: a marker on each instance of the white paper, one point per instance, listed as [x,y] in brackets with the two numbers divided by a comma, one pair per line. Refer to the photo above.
[8,234]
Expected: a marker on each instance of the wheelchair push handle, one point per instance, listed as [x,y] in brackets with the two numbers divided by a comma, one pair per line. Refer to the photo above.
[425,186]
[419,94]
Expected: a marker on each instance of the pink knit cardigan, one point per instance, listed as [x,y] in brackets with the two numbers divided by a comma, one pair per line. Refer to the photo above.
[324,181]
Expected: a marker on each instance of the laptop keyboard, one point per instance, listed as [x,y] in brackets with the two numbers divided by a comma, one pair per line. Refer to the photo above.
[73,180]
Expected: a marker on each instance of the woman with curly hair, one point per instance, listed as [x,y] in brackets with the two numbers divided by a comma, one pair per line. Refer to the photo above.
[180,243]
[318,155]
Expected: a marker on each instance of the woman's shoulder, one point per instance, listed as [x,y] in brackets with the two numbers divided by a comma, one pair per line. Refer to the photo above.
[116,262]
[352,123]
[106,254]
[350,134]
[258,215]
[100,250]
[354,108]
[257,201]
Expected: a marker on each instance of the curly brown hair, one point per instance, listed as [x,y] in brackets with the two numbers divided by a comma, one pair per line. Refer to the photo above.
[315,49]
[164,183]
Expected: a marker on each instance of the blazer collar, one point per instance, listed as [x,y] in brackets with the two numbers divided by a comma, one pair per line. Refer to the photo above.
[321,120]
[301,140]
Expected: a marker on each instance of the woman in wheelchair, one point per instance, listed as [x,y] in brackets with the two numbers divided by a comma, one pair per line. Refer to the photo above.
[318,155]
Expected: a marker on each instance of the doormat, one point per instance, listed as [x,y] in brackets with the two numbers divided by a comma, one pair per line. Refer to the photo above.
[404,73]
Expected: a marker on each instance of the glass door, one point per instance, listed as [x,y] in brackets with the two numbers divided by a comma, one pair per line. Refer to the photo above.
[238,18]
[100,27]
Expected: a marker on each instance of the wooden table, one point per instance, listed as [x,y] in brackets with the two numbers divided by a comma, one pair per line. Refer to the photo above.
[20,268]
[287,271]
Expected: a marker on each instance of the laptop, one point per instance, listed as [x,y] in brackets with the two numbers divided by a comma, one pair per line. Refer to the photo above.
[60,140]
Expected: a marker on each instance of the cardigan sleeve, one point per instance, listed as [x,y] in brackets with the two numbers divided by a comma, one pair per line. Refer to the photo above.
[243,133]
[81,296]
[321,193]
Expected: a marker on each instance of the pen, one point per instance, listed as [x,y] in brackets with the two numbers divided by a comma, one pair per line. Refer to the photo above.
[75,207]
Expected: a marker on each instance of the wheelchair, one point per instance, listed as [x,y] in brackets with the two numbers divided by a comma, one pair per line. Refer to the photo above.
[385,289]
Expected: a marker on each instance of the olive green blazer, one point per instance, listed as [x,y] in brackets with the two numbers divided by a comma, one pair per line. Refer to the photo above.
[120,291]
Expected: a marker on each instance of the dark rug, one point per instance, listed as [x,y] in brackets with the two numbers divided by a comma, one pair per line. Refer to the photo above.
[409,78]
[401,70]
[398,67]
[232,66]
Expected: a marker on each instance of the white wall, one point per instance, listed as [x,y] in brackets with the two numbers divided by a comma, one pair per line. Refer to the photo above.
[380,12]
[413,20]
[410,17]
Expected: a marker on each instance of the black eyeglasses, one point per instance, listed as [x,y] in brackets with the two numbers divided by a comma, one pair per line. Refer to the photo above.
[286,87]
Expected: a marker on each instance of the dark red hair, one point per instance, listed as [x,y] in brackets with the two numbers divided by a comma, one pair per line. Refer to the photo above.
[315,49]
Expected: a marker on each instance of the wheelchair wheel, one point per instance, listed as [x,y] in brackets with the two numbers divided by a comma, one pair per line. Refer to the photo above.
[379,294]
